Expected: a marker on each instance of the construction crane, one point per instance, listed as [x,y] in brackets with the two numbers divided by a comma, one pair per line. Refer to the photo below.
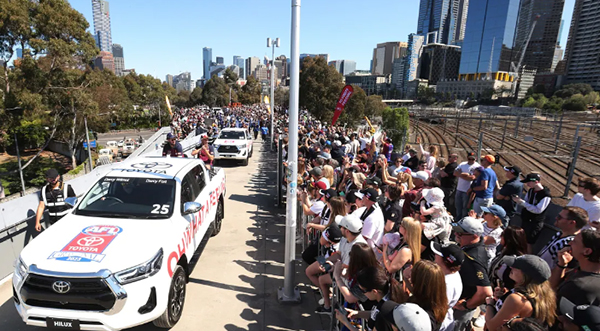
[518,68]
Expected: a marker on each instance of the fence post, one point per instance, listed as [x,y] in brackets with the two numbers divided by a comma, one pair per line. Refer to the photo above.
[504,133]
[479,145]
[558,133]
[279,171]
[480,122]
[456,131]
[517,126]
[572,167]
[20,169]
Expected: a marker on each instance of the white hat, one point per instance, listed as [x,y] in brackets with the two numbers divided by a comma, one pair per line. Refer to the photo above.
[411,317]
[352,223]
[422,175]
[434,196]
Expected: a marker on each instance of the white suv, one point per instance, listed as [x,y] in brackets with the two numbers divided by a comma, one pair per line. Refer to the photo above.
[122,257]
[233,144]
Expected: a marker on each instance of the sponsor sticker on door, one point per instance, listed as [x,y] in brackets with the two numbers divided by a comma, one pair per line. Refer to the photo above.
[88,245]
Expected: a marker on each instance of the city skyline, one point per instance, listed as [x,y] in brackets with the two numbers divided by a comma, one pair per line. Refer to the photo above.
[134,30]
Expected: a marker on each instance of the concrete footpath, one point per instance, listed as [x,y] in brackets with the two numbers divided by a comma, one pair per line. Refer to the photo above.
[234,285]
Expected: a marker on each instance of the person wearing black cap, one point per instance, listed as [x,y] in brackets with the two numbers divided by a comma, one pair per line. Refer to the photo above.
[579,318]
[450,257]
[512,187]
[535,204]
[52,197]
[172,147]
[531,297]
[372,217]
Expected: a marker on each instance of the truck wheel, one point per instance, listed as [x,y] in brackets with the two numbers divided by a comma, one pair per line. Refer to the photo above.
[176,300]
[251,151]
[245,162]
[218,223]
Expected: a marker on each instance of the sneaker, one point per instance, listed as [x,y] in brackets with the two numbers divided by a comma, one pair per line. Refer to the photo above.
[322,310]
[479,321]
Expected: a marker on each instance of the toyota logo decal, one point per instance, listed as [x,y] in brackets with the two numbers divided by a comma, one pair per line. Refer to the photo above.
[90,241]
[61,286]
[151,165]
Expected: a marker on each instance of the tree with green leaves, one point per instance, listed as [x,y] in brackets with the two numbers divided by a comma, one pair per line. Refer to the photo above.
[195,97]
[250,92]
[320,87]
[215,92]
[374,106]
[396,124]
[282,96]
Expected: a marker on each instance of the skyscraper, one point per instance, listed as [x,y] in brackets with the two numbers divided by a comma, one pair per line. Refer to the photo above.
[220,60]
[434,20]
[102,32]
[105,60]
[458,21]
[169,80]
[489,44]
[344,67]
[384,55]
[413,56]
[206,61]
[251,64]
[239,61]
[439,62]
[119,59]
[582,56]
[540,51]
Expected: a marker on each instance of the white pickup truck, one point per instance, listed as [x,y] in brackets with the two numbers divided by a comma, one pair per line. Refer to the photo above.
[233,144]
[122,257]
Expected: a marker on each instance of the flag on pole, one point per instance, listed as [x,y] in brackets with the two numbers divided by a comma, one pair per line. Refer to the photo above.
[168,105]
[344,97]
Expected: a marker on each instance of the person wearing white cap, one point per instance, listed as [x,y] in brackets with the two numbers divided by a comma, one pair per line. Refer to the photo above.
[439,225]
[351,227]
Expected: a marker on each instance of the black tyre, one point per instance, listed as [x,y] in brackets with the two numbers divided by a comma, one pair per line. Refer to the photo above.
[176,301]
[218,223]
[245,162]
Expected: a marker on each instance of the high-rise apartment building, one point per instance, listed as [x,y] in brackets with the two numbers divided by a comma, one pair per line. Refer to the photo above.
[117,51]
[384,55]
[102,32]
[344,67]
[540,51]
[251,64]
[169,80]
[206,61]
[582,53]
[183,82]
[398,74]
[434,20]
[413,57]
[220,60]
[439,62]
[105,60]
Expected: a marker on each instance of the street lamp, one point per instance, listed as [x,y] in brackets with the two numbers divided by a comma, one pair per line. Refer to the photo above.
[272,43]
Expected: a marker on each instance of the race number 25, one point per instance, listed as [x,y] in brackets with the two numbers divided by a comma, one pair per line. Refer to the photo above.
[160,209]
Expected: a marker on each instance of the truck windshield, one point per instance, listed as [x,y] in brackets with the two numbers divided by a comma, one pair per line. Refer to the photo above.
[120,197]
[236,135]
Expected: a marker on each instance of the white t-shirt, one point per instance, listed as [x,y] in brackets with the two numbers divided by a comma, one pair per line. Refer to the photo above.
[494,233]
[373,227]
[454,289]
[346,246]
[317,207]
[463,185]
[592,207]
[364,142]
[405,157]
[358,211]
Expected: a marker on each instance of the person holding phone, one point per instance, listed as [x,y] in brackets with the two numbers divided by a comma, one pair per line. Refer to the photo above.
[512,188]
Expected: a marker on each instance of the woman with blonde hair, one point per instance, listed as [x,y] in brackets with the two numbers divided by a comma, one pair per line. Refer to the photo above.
[408,251]
[328,173]
[531,297]
[358,178]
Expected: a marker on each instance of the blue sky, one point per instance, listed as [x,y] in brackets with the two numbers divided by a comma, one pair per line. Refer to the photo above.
[162,37]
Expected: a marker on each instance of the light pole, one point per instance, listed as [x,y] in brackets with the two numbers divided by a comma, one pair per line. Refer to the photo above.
[272,43]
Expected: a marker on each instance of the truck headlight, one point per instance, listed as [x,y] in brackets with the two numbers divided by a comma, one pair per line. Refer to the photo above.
[141,271]
[20,268]
[241,146]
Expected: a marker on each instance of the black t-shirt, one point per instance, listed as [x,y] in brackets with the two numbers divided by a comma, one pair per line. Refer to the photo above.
[393,212]
[473,271]
[428,254]
[412,163]
[451,180]
[581,288]
[511,187]
[381,323]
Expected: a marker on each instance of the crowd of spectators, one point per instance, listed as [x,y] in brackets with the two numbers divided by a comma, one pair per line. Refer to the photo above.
[416,240]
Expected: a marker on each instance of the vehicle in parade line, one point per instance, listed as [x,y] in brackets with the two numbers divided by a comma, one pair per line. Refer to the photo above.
[233,144]
[105,156]
[128,147]
[123,255]
[120,143]
[113,146]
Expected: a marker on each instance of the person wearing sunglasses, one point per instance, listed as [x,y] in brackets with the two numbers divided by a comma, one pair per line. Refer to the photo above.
[172,148]
[52,198]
